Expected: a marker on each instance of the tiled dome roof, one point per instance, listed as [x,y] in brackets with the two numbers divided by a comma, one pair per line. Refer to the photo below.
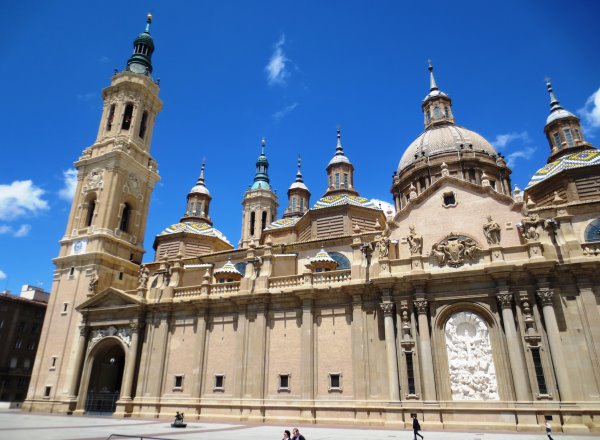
[576,160]
[344,199]
[444,139]
[194,228]
[228,267]
[283,223]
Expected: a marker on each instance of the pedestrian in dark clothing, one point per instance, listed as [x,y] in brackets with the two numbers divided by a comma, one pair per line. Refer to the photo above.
[297,435]
[416,427]
[549,430]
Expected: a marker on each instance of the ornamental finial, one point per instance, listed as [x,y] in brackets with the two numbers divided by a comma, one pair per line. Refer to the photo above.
[432,83]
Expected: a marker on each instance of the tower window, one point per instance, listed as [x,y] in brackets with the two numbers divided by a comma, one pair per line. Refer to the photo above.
[436,112]
[263,220]
[111,116]
[252,222]
[143,125]
[410,373]
[428,116]
[337,180]
[192,208]
[330,181]
[578,135]
[125,215]
[446,112]
[345,180]
[294,203]
[569,137]
[127,116]
[556,137]
[90,212]
[301,203]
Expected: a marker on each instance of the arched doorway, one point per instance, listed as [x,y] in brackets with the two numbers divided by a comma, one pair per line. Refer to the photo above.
[106,377]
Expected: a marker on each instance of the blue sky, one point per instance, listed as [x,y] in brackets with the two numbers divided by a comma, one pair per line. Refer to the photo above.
[233,72]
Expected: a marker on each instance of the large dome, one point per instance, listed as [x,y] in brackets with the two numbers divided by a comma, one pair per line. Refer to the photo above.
[443,139]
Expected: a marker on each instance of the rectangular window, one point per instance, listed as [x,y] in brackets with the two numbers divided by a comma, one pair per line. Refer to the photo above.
[219,382]
[556,138]
[335,381]
[143,124]
[569,137]
[19,343]
[345,180]
[178,382]
[337,180]
[120,276]
[111,116]
[65,308]
[539,370]
[302,204]
[53,362]
[284,382]
[47,392]
[72,272]
[410,373]
[127,116]
[578,136]
[294,203]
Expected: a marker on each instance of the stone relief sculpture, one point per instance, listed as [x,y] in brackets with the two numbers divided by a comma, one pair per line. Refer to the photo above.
[470,361]
[122,333]
[94,179]
[529,226]
[455,250]
[415,242]
[93,285]
[491,230]
[383,246]
[133,185]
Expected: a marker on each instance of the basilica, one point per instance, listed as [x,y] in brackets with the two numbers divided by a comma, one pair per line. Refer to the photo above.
[467,302]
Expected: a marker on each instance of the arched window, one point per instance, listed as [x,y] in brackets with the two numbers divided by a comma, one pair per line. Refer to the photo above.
[125,215]
[263,220]
[301,203]
[341,260]
[143,125]
[337,180]
[592,232]
[110,117]
[90,212]
[428,116]
[192,208]
[252,222]
[127,116]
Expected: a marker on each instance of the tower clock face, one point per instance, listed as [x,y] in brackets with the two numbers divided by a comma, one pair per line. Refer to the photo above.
[79,247]
[137,68]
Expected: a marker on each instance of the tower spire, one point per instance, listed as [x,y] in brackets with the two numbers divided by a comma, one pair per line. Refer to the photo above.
[143,47]
[432,84]
[437,105]
[261,178]
[554,103]
[201,178]
[299,173]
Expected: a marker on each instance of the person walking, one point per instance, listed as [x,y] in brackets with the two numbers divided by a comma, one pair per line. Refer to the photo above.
[286,435]
[297,435]
[416,427]
[549,430]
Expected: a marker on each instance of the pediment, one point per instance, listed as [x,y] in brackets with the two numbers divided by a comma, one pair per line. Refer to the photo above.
[110,298]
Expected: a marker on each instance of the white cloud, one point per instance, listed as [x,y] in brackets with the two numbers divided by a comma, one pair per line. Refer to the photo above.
[2,275]
[70,183]
[276,68]
[591,111]
[502,140]
[21,198]
[21,232]
[281,113]
[526,153]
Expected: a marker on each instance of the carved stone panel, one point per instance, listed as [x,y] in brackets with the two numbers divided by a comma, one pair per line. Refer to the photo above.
[471,365]
[455,250]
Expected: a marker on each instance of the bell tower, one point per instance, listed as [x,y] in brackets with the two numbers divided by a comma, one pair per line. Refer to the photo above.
[259,203]
[103,243]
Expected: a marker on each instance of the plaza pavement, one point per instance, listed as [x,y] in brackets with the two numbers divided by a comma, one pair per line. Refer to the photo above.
[17,425]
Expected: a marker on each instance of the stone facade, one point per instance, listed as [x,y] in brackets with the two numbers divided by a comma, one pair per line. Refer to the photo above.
[470,304]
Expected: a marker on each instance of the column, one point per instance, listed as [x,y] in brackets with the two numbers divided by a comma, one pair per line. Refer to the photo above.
[515,354]
[359,354]
[390,349]
[307,362]
[545,295]
[198,369]
[81,345]
[427,376]
[131,362]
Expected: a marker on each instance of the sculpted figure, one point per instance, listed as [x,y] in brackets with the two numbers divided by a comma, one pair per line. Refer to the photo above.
[491,230]
[143,277]
[415,242]
[93,283]
[383,246]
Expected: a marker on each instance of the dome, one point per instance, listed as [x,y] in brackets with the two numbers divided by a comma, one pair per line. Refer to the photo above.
[194,228]
[559,114]
[298,185]
[580,159]
[444,139]
[200,189]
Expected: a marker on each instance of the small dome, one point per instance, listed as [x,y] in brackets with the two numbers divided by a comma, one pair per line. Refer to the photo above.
[344,199]
[338,159]
[200,189]
[444,139]
[298,185]
[228,268]
[261,184]
[322,257]
[434,94]
[559,114]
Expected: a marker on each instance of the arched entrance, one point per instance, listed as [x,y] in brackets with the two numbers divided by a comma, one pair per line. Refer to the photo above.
[106,377]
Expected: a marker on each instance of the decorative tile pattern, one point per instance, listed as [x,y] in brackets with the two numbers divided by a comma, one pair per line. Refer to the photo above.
[283,223]
[195,228]
[344,199]
[576,160]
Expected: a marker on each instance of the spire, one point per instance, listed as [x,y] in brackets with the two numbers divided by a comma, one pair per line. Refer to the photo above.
[201,178]
[200,187]
[554,104]
[143,47]
[556,110]
[339,150]
[198,201]
[299,173]
[261,178]
[432,85]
